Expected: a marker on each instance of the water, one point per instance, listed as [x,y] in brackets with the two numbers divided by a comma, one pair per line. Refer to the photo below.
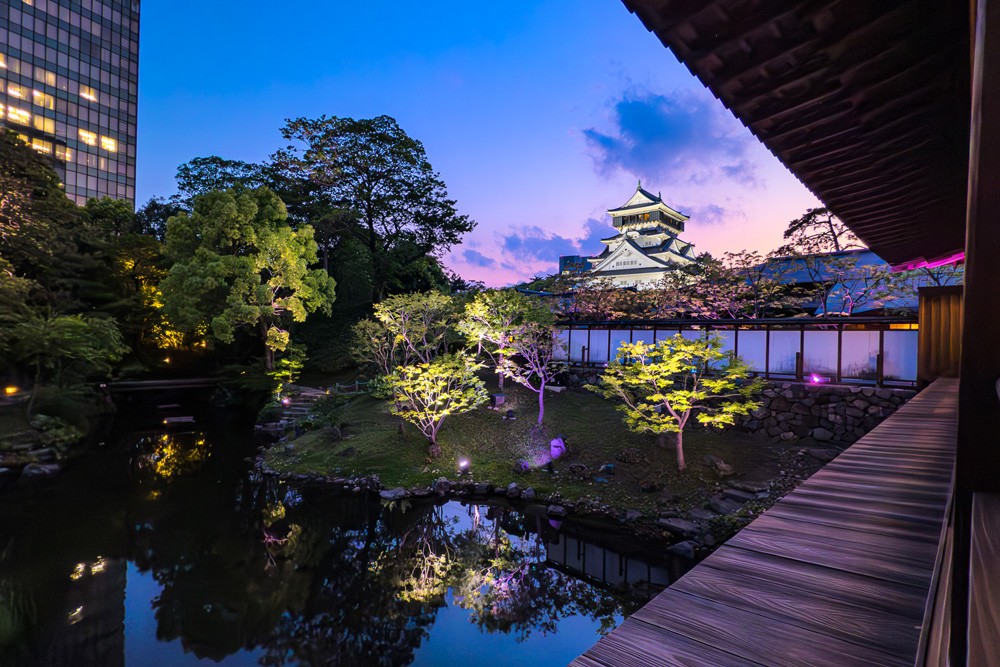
[157,548]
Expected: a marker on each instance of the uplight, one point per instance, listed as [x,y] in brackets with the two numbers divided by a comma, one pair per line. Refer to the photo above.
[10,390]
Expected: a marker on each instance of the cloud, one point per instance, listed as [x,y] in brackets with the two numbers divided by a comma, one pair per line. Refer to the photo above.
[530,242]
[686,137]
[476,258]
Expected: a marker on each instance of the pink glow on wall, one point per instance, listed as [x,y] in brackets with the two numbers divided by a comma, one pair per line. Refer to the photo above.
[931,264]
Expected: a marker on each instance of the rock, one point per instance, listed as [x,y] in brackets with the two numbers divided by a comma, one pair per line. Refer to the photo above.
[723,505]
[556,512]
[854,412]
[557,447]
[650,486]
[46,454]
[860,404]
[509,416]
[719,466]
[482,489]
[868,391]
[684,549]
[630,455]
[529,495]
[289,449]
[702,514]
[788,436]
[607,468]
[393,494]
[760,413]
[442,486]
[738,495]
[512,490]
[632,515]
[521,467]
[822,454]
[678,526]
[748,485]
[347,452]
[579,470]
[33,470]
[600,480]
[780,404]
[555,389]
[821,434]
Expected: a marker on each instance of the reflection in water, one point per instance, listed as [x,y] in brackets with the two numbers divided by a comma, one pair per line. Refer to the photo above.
[257,572]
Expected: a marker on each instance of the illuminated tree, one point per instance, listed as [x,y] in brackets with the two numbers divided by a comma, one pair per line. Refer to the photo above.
[418,324]
[817,230]
[237,263]
[531,360]
[494,316]
[660,387]
[428,392]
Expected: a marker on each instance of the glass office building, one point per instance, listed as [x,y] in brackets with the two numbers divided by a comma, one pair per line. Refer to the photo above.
[69,78]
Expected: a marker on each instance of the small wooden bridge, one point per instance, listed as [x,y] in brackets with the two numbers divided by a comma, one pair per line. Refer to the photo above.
[839,572]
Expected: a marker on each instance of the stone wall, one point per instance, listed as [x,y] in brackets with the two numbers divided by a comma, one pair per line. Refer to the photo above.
[827,413]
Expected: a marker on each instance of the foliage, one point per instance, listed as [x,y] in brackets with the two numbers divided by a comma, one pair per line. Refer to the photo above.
[398,206]
[151,218]
[418,323]
[492,317]
[238,263]
[380,386]
[374,344]
[202,175]
[288,367]
[531,360]
[662,386]
[818,230]
[428,392]
[55,432]
[110,217]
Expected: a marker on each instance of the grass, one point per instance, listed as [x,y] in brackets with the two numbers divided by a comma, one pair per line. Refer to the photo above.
[592,428]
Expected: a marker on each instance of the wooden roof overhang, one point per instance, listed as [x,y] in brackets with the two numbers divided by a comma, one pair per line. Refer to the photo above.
[865,101]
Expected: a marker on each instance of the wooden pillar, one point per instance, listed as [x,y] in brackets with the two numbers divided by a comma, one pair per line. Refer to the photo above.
[940,336]
[978,459]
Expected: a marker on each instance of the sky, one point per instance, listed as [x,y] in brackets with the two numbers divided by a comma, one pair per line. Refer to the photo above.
[539,115]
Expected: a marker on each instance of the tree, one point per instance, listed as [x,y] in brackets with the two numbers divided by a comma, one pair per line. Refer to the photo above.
[662,386]
[494,316]
[110,217]
[212,174]
[237,263]
[531,360]
[419,324]
[399,205]
[428,392]
[817,230]
[151,218]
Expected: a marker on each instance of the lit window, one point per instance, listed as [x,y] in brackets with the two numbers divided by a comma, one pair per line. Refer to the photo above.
[17,91]
[64,154]
[88,138]
[42,146]
[18,115]
[43,99]
[88,93]
[3,61]
[45,76]
[47,125]
[109,144]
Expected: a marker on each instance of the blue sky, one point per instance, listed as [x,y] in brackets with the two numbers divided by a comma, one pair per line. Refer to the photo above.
[538,114]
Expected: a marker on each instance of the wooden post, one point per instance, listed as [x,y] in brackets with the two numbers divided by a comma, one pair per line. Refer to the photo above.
[978,459]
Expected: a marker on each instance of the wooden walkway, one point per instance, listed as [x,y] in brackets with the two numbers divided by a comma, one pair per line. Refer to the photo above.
[836,573]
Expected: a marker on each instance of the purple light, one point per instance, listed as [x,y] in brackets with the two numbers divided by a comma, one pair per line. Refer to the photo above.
[463,466]
[286,401]
[817,379]
[930,264]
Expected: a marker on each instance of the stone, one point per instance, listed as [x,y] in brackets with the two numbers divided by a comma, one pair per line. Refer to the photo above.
[579,470]
[749,485]
[521,467]
[867,391]
[33,470]
[723,505]
[678,526]
[702,514]
[607,468]
[821,434]
[860,404]
[760,413]
[46,454]
[529,495]
[874,411]
[788,436]
[738,495]
[347,451]
[442,486]
[393,494]
[683,549]
[802,408]
[822,454]
[512,490]
[601,480]
[719,466]
[482,489]
[854,412]
[650,486]
[496,400]
[556,512]
[775,431]
[509,416]
[780,404]
[632,515]
[557,447]
[289,449]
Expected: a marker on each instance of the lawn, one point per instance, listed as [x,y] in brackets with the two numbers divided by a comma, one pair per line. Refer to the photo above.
[644,477]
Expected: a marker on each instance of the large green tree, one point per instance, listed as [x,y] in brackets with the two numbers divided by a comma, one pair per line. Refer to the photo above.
[398,206]
[238,263]
[660,387]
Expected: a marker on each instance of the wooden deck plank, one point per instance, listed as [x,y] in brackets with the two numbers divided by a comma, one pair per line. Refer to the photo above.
[835,573]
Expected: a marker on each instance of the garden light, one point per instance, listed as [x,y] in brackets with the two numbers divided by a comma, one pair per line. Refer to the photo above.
[10,390]
[463,466]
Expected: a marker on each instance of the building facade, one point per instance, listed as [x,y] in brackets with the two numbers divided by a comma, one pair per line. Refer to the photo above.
[69,80]
[647,247]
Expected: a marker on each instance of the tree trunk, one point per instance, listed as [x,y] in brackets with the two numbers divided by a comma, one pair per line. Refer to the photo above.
[34,388]
[433,449]
[541,403]
[499,366]
[680,451]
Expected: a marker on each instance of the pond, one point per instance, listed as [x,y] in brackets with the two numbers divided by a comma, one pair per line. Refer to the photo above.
[159,548]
